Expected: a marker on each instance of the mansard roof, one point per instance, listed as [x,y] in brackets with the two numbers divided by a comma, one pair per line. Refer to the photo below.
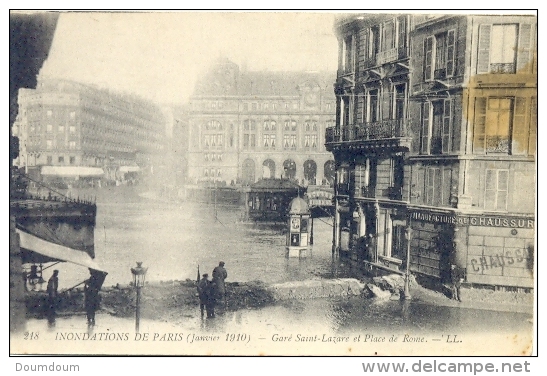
[225,78]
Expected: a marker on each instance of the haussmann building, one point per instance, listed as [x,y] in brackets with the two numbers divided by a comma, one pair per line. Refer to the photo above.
[434,145]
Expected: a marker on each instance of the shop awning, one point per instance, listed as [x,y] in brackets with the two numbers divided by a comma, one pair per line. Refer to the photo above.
[130,168]
[54,252]
[72,171]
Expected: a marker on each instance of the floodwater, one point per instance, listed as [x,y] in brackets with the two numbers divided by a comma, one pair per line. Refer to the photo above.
[172,239]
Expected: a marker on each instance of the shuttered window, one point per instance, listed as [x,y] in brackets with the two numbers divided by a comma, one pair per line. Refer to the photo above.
[428,58]
[424,137]
[479,128]
[533,126]
[505,48]
[446,131]
[496,189]
[519,142]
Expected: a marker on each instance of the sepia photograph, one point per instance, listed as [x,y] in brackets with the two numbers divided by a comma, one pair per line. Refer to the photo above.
[273,183]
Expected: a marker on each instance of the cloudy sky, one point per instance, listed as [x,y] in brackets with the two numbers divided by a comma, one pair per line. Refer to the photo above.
[159,55]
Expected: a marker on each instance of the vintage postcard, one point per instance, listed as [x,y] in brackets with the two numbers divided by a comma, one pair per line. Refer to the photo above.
[273,183]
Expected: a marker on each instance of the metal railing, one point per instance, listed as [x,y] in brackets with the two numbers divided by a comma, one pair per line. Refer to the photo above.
[391,128]
[502,68]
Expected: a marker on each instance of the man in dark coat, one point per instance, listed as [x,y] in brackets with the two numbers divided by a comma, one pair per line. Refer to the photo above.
[53,294]
[456,276]
[92,300]
[203,291]
[219,275]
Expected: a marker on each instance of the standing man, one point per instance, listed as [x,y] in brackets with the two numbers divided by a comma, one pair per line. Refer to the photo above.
[219,275]
[52,291]
[203,292]
[457,279]
[92,300]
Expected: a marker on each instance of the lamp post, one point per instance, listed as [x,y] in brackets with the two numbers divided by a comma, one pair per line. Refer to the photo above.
[408,234]
[139,276]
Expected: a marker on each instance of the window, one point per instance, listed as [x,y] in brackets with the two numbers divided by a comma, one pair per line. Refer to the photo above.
[245,106]
[61,159]
[72,160]
[372,106]
[495,197]
[433,186]
[72,129]
[249,136]
[49,159]
[49,113]
[374,41]
[307,141]
[349,54]
[61,128]
[436,127]
[272,141]
[388,35]
[49,128]
[72,114]
[254,106]
[439,51]
[49,144]
[72,145]
[505,48]
[399,95]
[502,125]
[362,173]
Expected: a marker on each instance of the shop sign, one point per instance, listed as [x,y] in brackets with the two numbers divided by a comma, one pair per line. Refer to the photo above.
[473,220]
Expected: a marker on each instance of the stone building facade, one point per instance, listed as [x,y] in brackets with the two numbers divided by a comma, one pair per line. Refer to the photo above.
[246,125]
[435,145]
[65,123]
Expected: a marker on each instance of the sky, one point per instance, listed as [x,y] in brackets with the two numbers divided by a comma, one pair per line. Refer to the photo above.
[159,55]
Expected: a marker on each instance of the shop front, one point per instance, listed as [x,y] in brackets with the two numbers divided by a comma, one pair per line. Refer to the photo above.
[493,250]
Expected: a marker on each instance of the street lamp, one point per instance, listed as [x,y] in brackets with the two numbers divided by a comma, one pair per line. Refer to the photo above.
[139,276]
[408,234]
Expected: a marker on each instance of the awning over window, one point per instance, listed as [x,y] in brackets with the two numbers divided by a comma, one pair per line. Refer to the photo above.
[38,250]
[72,171]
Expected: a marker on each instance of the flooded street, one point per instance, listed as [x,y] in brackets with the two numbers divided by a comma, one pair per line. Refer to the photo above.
[172,239]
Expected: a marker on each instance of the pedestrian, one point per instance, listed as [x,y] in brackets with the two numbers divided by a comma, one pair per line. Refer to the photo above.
[210,298]
[457,279]
[203,292]
[219,275]
[91,300]
[370,245]
[53,295]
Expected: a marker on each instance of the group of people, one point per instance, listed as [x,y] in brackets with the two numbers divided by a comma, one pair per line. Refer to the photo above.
[212,292]
[91,297]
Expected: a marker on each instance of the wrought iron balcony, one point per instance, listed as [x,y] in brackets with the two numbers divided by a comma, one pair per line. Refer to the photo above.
[502,68]
[497,144]
[392,128]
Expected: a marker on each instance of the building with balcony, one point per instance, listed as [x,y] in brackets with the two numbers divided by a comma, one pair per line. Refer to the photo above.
[434,145]
[247,125]
[66,127]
